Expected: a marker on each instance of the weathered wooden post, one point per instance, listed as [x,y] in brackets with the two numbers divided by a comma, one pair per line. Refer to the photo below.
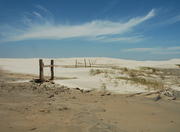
[85,62]
[76,63]
[52,70]
[41,71]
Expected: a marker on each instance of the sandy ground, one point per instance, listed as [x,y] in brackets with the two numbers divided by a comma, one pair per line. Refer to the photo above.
[50,107]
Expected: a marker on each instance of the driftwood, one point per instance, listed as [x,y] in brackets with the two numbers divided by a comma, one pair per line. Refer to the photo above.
[165,92]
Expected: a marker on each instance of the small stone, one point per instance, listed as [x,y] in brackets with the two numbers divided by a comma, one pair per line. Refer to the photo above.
[45,111]
[158,97]
[102,94]
[108,93]
[52,82]
[32,129]
[26,108]
[52,95]
[172,121]
[63,108]
[77,88]
[42,110]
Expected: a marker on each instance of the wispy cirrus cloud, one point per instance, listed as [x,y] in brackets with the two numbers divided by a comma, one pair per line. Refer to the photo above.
[128,39]
[157,50]
[173,20]
[40,27]
[138,49]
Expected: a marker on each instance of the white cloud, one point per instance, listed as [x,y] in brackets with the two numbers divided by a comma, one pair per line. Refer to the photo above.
[132,39]
[174,48]
[93,29]
[37,14]
[157,50]
[172,20]
[167,52]
[138,50]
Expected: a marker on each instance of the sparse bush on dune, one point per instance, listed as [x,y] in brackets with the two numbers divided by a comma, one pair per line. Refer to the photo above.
[152,78]
[125,69]
[151,70]
[151,84]
[132,74]
[94,72]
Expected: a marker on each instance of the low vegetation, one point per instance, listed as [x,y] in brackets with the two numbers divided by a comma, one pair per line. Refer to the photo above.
[152,78]
[149,83]
[94,72]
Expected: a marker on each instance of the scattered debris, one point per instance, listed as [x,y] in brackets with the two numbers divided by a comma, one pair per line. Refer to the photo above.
[52,95]
[167,93]
[44,111]
[106,93]
[131,95]
[63,108]
[158,97]
[81,90]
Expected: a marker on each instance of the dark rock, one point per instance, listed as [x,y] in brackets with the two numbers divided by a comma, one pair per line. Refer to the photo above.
[77,88]
[44,111]
[108,93]
[158,97]
[52,95]
[32,129]
[63,108]
[103,94]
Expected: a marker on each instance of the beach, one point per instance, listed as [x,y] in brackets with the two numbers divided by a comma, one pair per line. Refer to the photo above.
[108,96]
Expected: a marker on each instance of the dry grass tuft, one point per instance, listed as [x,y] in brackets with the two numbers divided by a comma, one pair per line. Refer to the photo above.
[149,83]
[94,72]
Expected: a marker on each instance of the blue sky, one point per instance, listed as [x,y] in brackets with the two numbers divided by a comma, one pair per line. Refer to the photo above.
[130,29]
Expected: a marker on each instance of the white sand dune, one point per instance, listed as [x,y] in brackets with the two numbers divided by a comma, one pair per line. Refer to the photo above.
[84,79]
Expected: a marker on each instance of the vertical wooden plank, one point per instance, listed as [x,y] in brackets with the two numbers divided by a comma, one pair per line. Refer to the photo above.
[41,71]
[85,62]
[76,63]
[52,70]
